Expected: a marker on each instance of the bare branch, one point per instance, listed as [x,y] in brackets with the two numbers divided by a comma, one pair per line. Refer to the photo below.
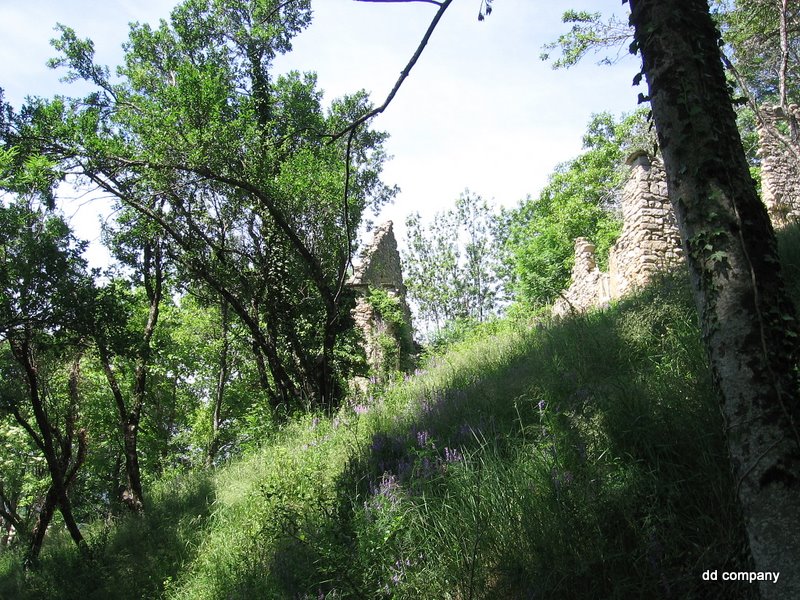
[406,1]
[443,6]
[345,216]
[754,106]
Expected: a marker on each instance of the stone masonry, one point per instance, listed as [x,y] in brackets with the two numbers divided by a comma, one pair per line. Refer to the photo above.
[380,268]
[780,172]
[649,242]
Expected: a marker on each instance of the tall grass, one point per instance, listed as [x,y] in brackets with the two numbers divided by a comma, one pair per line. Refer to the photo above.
[576,459]
[130,557]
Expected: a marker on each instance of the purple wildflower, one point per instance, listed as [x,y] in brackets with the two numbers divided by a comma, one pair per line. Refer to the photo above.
[452,455]
[385,493]
[423,438]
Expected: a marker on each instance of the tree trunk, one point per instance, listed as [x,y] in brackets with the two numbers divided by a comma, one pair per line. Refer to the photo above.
[747,320]
[131,495]
[222,381]
[40,528]
[56,447]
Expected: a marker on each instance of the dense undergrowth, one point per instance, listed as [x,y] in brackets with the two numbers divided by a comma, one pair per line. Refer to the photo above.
[579,459]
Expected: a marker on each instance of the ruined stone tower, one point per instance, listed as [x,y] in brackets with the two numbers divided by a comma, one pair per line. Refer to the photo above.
[380,269]
[650,241]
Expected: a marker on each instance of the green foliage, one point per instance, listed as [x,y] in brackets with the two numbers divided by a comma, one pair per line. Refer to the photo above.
[751,33]
[231,163]
[579,201]
[526,455]
[394,337]
[450,264]
[131,557]
[43,279]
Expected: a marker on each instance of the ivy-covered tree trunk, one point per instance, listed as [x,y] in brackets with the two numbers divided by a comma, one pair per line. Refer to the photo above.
[747,319]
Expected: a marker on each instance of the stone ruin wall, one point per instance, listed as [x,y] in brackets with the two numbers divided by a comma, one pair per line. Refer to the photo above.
[380,268]
[650,241]
[780,170]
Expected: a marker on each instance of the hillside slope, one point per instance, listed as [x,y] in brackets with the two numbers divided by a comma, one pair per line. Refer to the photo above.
[578,459]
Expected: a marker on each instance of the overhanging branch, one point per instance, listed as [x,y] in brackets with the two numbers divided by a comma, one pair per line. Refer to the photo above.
[443,6]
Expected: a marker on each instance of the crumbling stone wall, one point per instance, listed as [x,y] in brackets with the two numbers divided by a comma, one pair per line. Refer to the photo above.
[649,242]
[380,268]
[780,171]
[590,286]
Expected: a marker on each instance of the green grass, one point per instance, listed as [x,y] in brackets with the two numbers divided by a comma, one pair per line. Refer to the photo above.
[579,459]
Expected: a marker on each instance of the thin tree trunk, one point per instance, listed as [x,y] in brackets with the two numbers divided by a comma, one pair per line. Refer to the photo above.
[222,380]
[128,430]
[58,455]
[40,528]
[783,70]
[748,323]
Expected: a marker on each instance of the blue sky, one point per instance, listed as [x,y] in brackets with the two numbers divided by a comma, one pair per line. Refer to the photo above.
[479,111]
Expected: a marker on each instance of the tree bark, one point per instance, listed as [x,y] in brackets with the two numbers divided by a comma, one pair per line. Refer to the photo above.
[40,528]
[747,320]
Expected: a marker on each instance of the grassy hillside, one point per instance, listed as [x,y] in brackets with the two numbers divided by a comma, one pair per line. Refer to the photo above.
[579,459]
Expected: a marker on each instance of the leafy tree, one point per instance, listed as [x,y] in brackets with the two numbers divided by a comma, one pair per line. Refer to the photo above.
[212,348]
[45,295]
[760,53]
[256,201]
[761,41]
[22,484]
[139,246]
[589,33]
[450,265]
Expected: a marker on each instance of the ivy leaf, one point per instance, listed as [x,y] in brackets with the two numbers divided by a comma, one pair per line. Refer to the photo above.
[718,256]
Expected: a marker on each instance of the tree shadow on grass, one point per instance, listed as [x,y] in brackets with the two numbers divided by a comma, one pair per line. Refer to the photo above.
[590,464]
